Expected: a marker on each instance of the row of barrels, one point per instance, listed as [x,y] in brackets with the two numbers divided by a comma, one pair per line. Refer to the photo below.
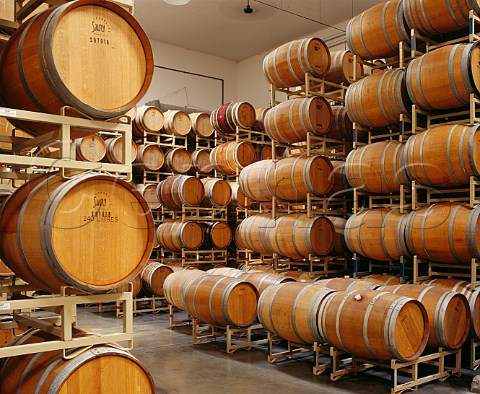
[443,232]
[377,32]
[429,316]
[443,156]
[438,80]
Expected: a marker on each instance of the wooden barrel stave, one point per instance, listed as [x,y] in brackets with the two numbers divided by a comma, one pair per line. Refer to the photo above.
[218,235]
[231,156]
[153,277]
[176,235]
[149,158]
[218,192]
[179,190]
[176,283]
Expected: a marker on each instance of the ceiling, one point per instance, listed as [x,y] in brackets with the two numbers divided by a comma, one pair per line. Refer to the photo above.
[221,28]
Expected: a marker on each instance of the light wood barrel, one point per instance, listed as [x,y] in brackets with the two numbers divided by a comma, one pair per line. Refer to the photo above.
[377,167]
[292,120]
[155,240]
[227,271]
[290,179]
[445,232]
[342,126]
[48,230]
[448,313]
[239,200]
[263,280]
[229,116]
[153,277]
[301,276]
[178,190]
[221,301]
[286,66]
[230,156]
[149,193]
[149,158]
[443,156]
[175,284]
[218,192]
[382,109]
[201,125]
[377,234]
[290,310]
[342,69]
[346,284]
[177,123]
[89,372]
[175,235]
[377,32]
[264,152]
[260,113]
[91,148]
[382,280]
[135,286]
[115,151]
[99,39]
[178,160]
[445,77]
[472,295]
[376,325]
[340,182]
[149,119]
[438,16]
[201,161]
[339,245]
[252,233]
[297,236]
[218,235]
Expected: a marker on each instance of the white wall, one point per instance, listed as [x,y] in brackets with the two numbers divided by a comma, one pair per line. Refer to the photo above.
[252,85]
[184,90]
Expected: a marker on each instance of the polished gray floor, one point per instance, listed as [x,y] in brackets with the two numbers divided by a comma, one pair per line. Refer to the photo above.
[179,367]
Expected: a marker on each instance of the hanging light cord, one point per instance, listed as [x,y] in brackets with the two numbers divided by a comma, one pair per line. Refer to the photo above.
[300,16]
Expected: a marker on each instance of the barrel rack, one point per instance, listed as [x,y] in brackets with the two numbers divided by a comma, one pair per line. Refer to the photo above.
[60,320]
[152,304]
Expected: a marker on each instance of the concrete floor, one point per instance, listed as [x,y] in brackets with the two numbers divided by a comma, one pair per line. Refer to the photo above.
[179,367]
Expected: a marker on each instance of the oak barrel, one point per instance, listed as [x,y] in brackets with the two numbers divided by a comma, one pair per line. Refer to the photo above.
[5,272]
[92,371]
[346,284]
[176,235]
[227,271]
[290,179]
[377,32]
[472,295]
[443,156]
[291,120]
[339,245]
[260,113]
[230,156]
[177,123]
[98,39]
[448,313]
[149,119]
[342,69]
[177,160]
[226,118]
[90,148]
[239,200]
[179,190]
[377,234]
[153,277]
[149,158]
[290,310]
[445,232]
[252,233]
[379,99]
[201,125]
[376,325]
[59,232]
[444,78]
[201,161]
[175,284]
[115,151]
[218,192]
[438,16]
[221,301]
[340,182]
[287,65]
[377,167]
[382,280]
[218,235]
[342,126]
[263,280]
[149,193]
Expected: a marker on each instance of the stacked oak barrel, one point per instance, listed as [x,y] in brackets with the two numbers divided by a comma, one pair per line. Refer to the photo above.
[439,225]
